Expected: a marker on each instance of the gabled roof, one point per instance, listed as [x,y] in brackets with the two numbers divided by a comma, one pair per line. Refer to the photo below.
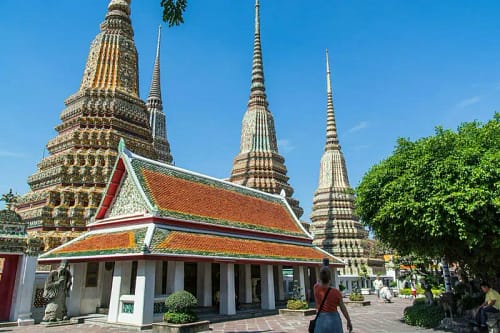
[161,211]
[172,243]
[179,194]
[96,244]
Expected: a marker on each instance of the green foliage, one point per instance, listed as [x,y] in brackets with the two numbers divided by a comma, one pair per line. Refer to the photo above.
[356,297]
[173,11]
[180,318]
[436,292]
[441,191]
[181,302]
[423,315]
[296,304]
[470,302]
[405,291]
[393,284]
[341,287]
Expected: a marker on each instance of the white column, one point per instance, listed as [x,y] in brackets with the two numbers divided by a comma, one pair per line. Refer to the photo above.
[170,276]
[179,276]
[144,292]
[25,285]
[307,284]
[335,278]
[204,283]
[116,286]
[120,286]
[267,287]
[227,304]
[247,275]
[280,289]
[75,295]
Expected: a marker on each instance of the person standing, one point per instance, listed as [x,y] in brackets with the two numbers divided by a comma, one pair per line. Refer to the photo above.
[414,290]
[328,320]
[491,303]
[377,285]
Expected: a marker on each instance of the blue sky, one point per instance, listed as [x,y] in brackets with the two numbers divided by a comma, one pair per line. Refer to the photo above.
[399,69]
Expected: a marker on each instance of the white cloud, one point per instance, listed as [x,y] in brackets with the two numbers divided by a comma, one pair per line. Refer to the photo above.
[358,127]
[6,153]
[285,145]
[469,101]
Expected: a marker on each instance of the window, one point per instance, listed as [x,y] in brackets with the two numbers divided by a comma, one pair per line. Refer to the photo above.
[164,277]
[133,277]
[92,274]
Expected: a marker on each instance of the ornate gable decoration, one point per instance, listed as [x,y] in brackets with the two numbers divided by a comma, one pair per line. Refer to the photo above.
[140,185]
[127,200]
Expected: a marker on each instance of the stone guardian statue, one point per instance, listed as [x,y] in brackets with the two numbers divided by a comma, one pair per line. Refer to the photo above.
[56,290]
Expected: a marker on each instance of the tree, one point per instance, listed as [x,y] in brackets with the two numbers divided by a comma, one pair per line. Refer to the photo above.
[439,196]
[173,11]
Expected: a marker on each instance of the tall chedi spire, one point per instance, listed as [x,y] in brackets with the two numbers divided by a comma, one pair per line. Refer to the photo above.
[258,164]
[154,105]
[67,187]
[335,226]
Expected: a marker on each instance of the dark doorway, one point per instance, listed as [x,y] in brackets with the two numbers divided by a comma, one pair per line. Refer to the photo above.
[190,275]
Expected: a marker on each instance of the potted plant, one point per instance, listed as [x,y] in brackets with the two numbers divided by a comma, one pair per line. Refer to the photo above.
[356,298]
[297,305]
[180,316]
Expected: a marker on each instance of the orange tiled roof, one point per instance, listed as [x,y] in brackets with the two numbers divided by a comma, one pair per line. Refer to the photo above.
[102,243]
[177,242]
[166,242]
[187,196]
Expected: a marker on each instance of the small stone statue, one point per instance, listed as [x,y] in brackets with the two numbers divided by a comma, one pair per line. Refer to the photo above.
[56,290]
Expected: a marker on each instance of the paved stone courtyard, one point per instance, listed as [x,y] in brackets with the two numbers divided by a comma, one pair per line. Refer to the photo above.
[376,318]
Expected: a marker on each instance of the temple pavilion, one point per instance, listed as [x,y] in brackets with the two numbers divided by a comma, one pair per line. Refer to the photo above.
[160,228]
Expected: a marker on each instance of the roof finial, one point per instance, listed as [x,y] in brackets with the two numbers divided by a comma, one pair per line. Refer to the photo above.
[328,78]
[332,140]
[258,90]
[155,89]
[257,17]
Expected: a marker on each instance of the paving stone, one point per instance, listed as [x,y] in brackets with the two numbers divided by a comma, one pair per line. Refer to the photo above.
[376,318]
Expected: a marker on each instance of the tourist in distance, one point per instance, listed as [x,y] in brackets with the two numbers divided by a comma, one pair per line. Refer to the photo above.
[328,320]
[377,285]
[491,303]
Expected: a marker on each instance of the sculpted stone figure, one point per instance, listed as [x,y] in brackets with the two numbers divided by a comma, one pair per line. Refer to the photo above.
[56,290]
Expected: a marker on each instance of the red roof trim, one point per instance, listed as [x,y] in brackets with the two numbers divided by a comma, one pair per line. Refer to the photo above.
[112,188]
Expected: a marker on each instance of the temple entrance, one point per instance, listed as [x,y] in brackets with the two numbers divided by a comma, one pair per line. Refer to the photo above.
[8,271]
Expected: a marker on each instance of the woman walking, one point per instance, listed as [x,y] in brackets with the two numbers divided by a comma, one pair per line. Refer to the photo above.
[328,320]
